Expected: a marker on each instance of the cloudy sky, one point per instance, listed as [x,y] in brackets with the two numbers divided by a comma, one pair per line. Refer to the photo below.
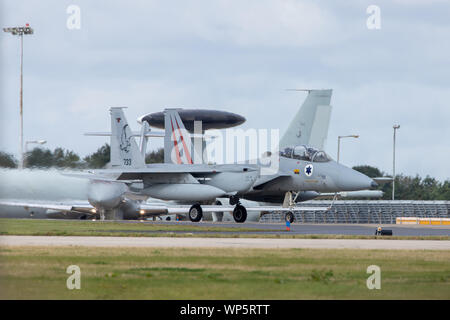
[238,56]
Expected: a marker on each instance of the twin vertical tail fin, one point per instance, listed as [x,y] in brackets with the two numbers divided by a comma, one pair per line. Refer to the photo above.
[177,140]
[124,149]
[310,125]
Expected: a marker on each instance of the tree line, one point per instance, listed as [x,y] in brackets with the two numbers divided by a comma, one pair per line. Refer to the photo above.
[61,158]
[406,187]
[409,187]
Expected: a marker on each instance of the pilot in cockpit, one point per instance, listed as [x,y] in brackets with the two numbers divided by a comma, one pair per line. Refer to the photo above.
[305,153]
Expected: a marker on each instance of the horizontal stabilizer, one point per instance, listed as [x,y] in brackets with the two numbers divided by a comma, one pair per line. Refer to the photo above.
[95,177]
[133,134]
[183,209]
[81,206]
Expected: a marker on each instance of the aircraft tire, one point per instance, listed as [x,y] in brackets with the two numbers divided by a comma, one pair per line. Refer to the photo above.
[195,213]
[289,216]
[240,214]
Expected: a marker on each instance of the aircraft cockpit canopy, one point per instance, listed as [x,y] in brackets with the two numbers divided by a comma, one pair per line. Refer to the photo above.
[305,153]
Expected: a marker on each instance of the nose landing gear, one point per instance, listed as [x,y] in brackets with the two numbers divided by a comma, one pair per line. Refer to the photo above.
[289,216]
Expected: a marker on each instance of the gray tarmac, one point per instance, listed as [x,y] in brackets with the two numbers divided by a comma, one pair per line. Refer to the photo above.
[198,242]
[323,229]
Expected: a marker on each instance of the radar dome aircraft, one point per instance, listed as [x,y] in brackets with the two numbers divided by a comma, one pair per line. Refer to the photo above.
[121,191]
[304,171]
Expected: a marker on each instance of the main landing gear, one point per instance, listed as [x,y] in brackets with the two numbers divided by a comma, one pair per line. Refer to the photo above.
[289,202]
[196,213]
[239,211]
[289,216]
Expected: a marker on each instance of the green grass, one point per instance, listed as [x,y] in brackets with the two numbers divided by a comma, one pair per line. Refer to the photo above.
[181,273]
[139,229]
[100,228]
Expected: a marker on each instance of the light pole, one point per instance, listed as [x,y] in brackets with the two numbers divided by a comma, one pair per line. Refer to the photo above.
[339,143]
[20,31]
[396,126]
[29,142]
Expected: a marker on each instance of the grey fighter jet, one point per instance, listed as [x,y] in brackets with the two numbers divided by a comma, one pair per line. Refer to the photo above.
[304,171]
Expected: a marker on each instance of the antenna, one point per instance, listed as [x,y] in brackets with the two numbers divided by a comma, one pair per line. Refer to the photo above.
[308,90]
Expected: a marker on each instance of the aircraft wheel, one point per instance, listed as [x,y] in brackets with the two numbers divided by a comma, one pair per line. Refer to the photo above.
[240,214]
[289,217]
[195,213]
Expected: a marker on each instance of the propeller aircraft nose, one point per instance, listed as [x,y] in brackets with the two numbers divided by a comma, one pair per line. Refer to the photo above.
[106,195]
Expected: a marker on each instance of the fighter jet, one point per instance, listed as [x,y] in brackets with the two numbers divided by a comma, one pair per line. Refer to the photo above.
[121,191]
[304,171]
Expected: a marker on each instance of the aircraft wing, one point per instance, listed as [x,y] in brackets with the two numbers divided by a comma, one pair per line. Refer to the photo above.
[147,209]
[139,173]
[293,209]
[85,207]
[264,180]
[184,209]
[81,206]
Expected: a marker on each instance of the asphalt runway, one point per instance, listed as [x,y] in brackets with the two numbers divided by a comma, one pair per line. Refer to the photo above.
[199,242]
[323,229]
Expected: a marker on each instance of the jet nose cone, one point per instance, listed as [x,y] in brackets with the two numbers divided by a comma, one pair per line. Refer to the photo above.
[352,180]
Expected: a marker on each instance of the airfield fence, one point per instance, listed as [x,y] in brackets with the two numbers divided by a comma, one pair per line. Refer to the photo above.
[364,211]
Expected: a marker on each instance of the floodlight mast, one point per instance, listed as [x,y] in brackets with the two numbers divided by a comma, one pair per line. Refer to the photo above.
[339,143]
[395,127]
[20,31]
